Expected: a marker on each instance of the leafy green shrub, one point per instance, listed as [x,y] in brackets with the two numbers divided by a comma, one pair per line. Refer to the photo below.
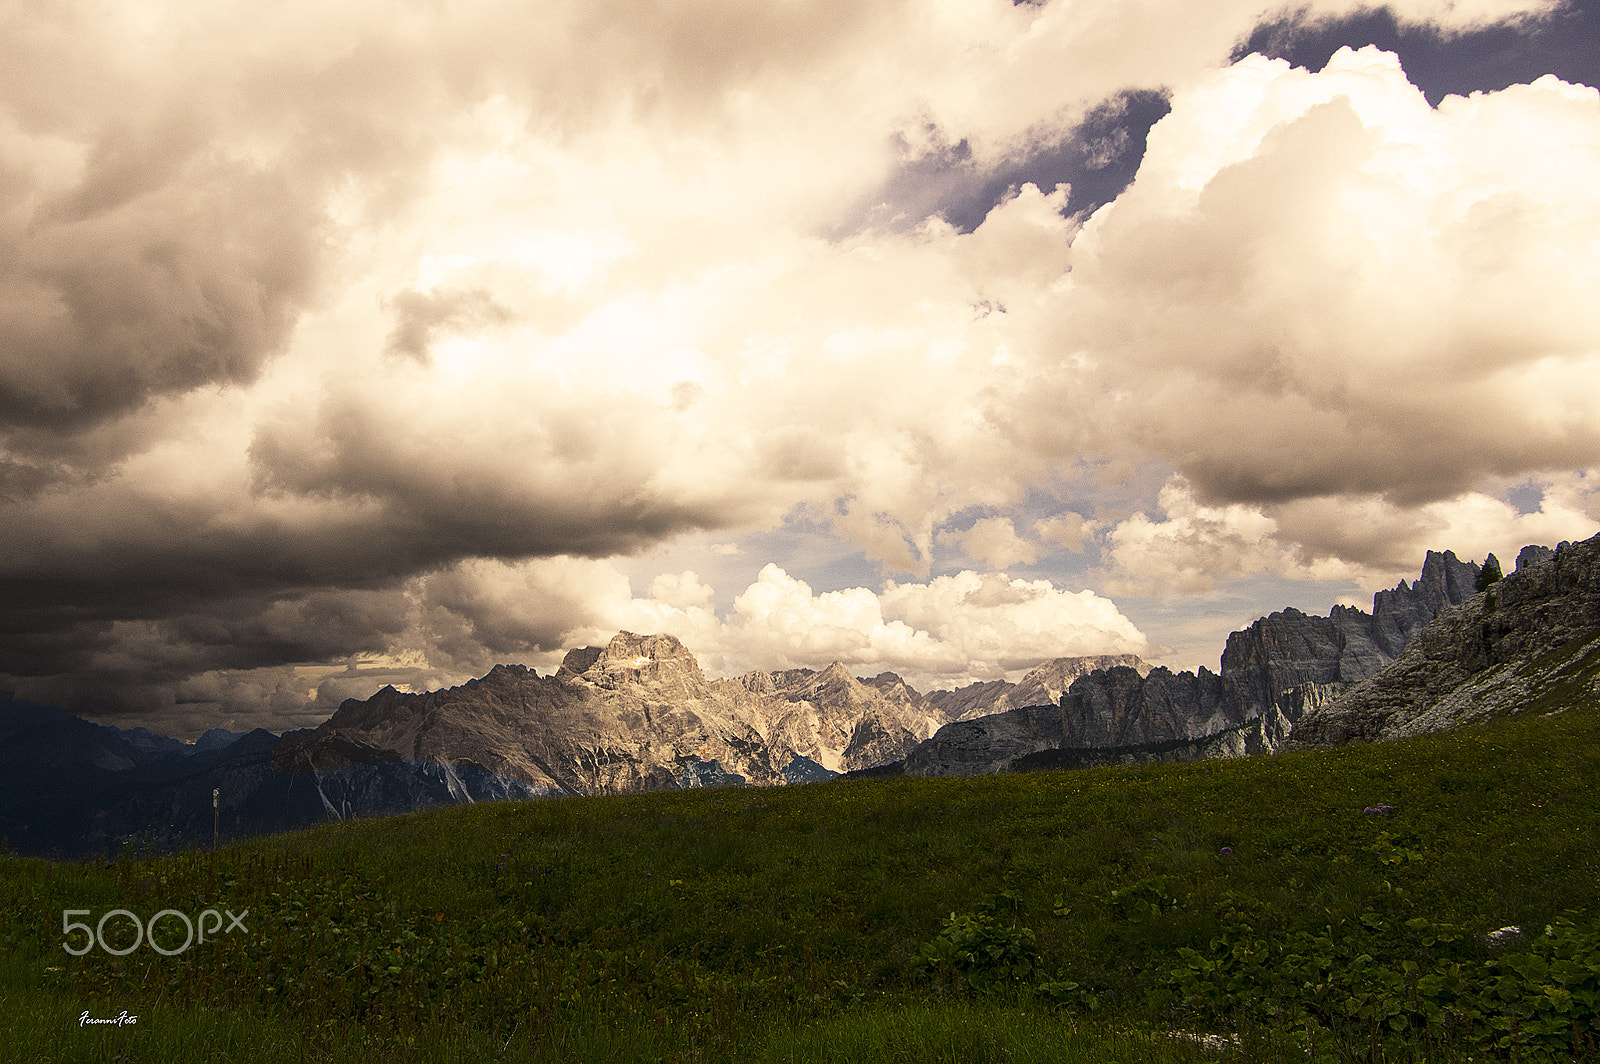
[1538,1004]
[1143,901]
[1402,986]
[979,950]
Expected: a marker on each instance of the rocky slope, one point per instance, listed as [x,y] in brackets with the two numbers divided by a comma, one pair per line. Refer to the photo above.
[1284,651]
[1531,638]
[980,746]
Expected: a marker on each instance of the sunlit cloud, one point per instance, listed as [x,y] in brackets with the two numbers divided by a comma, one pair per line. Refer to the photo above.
[353,343]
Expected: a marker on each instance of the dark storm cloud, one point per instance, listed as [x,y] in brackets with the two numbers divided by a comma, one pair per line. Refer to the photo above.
[131,559]
[164,189]
[110,599]
[150,277]
[494,479]
[1566,44]
[243,631]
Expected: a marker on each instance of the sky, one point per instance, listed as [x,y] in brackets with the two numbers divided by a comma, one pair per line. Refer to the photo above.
[361,343]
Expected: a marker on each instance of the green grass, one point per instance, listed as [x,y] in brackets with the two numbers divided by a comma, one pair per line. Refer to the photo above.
[792,924]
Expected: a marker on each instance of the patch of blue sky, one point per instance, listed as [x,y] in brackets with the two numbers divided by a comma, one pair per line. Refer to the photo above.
[1566,44]
[1098,159]
[1526,496]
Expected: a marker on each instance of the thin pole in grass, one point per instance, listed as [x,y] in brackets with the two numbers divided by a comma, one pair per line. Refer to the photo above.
[216,816]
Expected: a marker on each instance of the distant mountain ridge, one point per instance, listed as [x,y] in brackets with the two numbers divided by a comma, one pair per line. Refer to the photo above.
[70,788]
[1043,686]
[639,714]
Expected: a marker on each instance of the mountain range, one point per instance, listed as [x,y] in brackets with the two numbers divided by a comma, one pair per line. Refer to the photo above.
[639,714]
[635,714]
[1272,672]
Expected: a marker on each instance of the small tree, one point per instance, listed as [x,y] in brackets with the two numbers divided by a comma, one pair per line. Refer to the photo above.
[1490,573]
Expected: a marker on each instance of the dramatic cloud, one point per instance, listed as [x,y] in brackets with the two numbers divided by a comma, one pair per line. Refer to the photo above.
[1013,623]
[1320,286]
[158,268]
[948,631]
[348,344]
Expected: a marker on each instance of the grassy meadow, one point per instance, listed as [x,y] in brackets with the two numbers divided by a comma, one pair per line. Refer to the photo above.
[1111,915]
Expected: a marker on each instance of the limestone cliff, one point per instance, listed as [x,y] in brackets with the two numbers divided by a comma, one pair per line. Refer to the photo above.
[1119,707]
[1281,667]
[981,746]
[1533,635]
[980,742]
[1271,672]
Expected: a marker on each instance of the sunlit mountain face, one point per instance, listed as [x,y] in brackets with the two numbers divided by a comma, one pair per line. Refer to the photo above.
[350,345]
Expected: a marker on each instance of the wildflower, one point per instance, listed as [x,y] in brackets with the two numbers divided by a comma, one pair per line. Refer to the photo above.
[1378,810]
[1227,850]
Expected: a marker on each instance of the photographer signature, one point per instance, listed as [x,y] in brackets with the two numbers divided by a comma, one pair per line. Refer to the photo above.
[122,1019]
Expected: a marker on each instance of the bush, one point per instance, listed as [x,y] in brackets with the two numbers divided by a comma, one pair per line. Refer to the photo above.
[979,950]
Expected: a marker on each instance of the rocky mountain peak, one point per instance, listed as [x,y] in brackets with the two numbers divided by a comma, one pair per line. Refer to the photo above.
[632,658]
[892,687]
[1042,686]
[629,650]
[758,683]
[1047,682]
[1533,554]
[578,660]
[635,714]
[1447,578]
[1399,613]
[834,685]
[504,675]
[837,673]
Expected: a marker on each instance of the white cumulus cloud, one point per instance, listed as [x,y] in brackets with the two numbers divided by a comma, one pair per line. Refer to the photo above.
[1318,285]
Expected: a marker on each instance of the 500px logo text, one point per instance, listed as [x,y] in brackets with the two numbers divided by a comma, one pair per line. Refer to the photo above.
[145,932]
